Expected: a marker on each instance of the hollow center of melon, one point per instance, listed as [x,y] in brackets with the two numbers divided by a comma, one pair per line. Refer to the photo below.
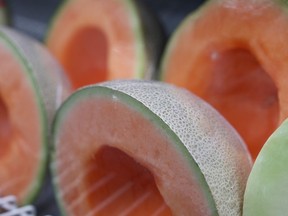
[5,125]
[124,187]
[245,94]
[86,57]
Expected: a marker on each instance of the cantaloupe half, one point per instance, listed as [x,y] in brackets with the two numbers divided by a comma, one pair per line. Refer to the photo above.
[105,39]
[146,148]
[267,188]
[32,87]
[232,53]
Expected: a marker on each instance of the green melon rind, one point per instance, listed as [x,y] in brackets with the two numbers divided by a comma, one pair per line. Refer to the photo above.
[148,48]
[102,91]
[152,33]
[49,85]
[226,160]
[35,186]
[139,96]
[267,187]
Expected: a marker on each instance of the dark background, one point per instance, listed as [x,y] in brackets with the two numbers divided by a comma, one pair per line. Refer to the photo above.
[32,17]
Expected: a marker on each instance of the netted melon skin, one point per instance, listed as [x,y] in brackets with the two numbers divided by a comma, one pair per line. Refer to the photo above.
[217,149]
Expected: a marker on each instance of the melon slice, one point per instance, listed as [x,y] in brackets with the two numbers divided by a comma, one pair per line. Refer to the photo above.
[146,148]
[226,53]
[105,39]
[32,87]
[267,187]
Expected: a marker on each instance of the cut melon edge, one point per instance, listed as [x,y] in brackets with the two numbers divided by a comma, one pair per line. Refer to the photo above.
[108,93]
[34,188]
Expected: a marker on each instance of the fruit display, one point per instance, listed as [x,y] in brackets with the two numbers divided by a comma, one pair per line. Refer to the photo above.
[143,108]
[95,47]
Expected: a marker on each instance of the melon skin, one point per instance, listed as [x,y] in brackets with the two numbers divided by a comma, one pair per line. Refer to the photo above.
[147,31]
[215,152]
[267,186]
[47,80]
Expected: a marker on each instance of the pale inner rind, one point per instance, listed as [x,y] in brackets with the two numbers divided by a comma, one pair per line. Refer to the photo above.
[96,122]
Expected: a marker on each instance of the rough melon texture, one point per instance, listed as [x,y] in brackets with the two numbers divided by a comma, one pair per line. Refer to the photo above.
[213,145]
[217,149]
[45,78]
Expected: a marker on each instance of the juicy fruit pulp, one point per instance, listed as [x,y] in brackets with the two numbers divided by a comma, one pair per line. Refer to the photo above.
[132,162]
[86,57]
[18,106]
[127,188]
[237,68]
[5,127]
[31,87]
[113,186]
[107,39]
[243,92]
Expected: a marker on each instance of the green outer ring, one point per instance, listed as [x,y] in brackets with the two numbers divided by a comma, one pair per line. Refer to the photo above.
[136,26]
[35,186]
[100,91]
[141,54]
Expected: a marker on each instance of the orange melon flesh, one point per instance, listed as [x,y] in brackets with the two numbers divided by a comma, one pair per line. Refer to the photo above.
[32,86]
[121,188]
[20,118]
[128,182]
[86,57]
[100,40]
[227,54]
[114,155]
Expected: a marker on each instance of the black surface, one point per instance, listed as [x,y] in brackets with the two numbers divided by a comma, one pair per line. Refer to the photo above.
[32,17]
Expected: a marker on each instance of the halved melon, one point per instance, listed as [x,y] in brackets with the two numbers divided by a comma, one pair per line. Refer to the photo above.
[146,148]
[232,53]
[32,86]
[105,39]
[266,193]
